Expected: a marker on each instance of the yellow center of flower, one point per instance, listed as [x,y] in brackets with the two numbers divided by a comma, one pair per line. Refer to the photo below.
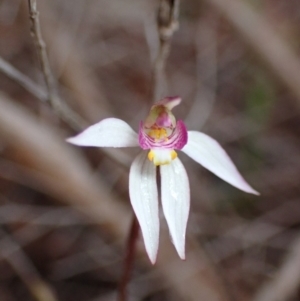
[162,156]
[158,133]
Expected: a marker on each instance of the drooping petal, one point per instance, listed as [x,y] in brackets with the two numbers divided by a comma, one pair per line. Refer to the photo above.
[169,102]
[175,198]
[177,140]
[144,200]
[208,152]
[110,132]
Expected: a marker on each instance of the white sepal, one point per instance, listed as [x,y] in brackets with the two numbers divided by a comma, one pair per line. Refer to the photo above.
[144,200]
[110,132]
[175,198]
[209,153]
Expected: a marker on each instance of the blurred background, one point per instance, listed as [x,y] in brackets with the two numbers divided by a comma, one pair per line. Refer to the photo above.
[65,211]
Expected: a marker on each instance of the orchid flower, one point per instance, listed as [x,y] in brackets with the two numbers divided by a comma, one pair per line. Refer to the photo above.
[160,136]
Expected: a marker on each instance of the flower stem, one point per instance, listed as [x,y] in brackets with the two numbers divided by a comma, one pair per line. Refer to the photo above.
[129,259]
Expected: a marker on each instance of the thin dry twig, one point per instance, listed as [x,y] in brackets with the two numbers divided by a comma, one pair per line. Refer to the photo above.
[167,23]
[40,290]
[76,123]
[41,47]
[60,107]
[62,110]
[23,80]
[70,62]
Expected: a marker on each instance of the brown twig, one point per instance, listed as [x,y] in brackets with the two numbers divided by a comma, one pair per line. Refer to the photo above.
[129,259]
[41,48]
[23,80]
[61,108]
[70,63]
[167,23]
[76,123]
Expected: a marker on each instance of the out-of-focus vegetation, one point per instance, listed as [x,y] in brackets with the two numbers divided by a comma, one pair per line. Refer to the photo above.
[65,212]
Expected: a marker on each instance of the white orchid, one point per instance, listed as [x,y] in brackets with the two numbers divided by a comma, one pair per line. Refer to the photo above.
[159,136]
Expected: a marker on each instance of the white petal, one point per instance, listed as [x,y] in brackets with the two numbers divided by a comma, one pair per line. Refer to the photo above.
[175,198]
[208,152]
[110,132]
[144,200]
